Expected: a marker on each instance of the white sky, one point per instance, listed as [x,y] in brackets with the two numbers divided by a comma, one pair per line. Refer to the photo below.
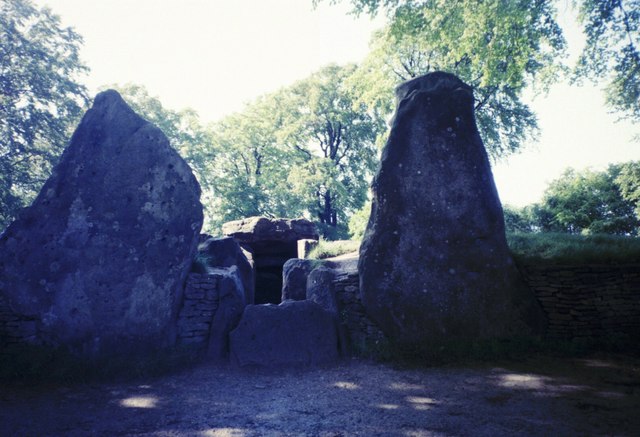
[215,55]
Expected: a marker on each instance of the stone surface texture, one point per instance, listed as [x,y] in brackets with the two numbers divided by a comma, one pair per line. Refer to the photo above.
[294,278]
[270,243]
[257,229]
[590,301]
[434,264]
[224,253]
[294,333]
[98,262]
[213,305]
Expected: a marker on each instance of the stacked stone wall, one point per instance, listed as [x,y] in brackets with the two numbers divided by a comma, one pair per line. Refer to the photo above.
[588,301]
[361,330]
[201,300]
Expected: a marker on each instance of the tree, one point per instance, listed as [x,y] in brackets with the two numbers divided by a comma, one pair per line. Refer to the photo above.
[337,136]
[588,202]
[629,182]
[612,27]
[40,99]
[358,222]
[498,47]
[612,51]
[307,149]
[253,163]
[520,219]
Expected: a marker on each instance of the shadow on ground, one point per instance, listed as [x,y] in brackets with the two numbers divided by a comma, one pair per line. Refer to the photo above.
[542,396]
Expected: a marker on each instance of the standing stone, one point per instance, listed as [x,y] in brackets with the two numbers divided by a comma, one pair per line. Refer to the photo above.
[294,278]
[226,252]
[231,304]
[99,260]
[434,263]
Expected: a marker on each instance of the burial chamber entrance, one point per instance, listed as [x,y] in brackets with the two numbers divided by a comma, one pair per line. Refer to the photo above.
[269,243]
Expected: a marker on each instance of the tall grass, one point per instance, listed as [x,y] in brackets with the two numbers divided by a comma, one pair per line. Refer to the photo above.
[329,249]
[555,248]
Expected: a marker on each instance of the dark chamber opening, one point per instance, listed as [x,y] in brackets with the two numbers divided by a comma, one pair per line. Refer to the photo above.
[269,258]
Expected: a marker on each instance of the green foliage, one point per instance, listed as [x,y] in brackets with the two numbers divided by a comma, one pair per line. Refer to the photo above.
[496,46]
[562,248]
[358,222]
[329,249]
[254,161]
[587,202]
[629,182]
[308,149]
[338,135]
[612,51]
[519,219]
[40,99]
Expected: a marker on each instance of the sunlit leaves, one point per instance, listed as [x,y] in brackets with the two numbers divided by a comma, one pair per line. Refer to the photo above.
[590,202]
[307,149]
[629,182]
[612,51]
[498,47]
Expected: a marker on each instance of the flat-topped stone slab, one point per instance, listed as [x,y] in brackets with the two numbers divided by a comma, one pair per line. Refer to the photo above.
[255,229]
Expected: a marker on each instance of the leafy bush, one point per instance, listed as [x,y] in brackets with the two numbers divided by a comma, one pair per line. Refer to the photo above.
[358,222]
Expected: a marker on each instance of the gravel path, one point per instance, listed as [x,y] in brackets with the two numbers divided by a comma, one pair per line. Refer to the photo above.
[537,397]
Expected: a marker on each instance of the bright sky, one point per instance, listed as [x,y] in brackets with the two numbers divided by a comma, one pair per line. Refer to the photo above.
[215,55]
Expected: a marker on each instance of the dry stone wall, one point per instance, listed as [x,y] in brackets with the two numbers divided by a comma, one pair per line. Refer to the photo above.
[362,332]
[201,300]
[580,302]
[588,301]
[14,328]
[213,305]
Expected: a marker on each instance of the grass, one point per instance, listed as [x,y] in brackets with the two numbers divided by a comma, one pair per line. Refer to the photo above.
[329,249]
[552,248]
[540,248]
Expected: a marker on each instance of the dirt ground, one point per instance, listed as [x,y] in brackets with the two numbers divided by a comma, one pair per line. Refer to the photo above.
[543,396]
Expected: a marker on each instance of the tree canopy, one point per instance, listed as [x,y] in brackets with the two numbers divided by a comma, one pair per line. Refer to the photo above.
[498,47]
[307,149]
[585,202]
[526,33]
[612,51]
[40,99]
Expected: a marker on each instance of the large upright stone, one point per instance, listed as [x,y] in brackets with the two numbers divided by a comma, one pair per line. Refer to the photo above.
[224,253]
[99,260]
[434,263]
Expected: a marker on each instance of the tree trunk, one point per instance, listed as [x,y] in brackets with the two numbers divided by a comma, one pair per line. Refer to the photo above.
[328,215]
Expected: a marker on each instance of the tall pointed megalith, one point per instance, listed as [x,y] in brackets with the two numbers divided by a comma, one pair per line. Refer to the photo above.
[97,262]
[434,263]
